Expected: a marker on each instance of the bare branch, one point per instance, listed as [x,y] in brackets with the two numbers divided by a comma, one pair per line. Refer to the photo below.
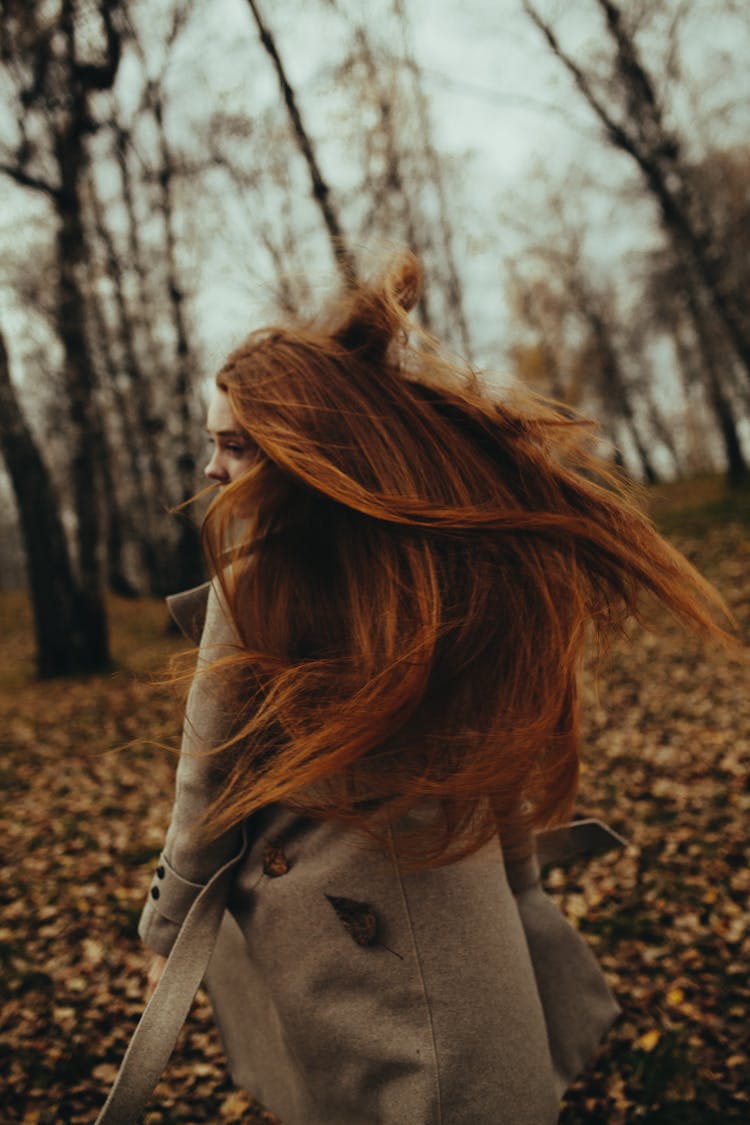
[321,192]
[435,173]
[657,151]
[614,130]
[101,76]
[25,179]
[628,60]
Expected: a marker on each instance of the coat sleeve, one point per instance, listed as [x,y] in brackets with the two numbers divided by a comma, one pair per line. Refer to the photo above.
[188,861]
[577,1003]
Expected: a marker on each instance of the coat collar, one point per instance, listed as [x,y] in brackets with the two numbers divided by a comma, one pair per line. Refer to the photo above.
[188,609]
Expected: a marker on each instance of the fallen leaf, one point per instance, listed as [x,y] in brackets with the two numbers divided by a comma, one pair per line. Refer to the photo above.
[648,1041]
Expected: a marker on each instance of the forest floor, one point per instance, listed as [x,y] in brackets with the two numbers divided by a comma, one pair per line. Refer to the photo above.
[86,794]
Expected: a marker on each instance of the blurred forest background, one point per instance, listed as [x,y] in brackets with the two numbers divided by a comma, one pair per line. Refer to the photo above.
[575,177]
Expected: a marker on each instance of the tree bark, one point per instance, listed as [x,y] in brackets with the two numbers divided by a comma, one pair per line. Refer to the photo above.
[737,468]
[126,519]
[190,567]
[80,381]
[137,423]
[664,434]
[58,97]
[615,390]
[60,609]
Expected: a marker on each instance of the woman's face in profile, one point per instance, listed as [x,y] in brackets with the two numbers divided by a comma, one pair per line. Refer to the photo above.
[234,451]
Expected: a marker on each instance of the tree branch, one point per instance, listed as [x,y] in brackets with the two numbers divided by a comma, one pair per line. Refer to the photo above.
[320,189]
[101,76]
[617,133]
[628,58]
[25,179]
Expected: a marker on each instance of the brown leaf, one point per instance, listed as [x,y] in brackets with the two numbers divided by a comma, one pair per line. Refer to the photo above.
[358,919]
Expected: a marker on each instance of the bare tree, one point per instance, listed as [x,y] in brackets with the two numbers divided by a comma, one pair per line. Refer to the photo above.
[570,331]
[606,368]
[150,321]
[435,175]
[402,194]
[60,607]
[575,354]
[321,191]
[190,569]
[720,400]
[633,118]
[117,338]
[118,514]
[676,306]
[389,190]
[548,361]
[56,79]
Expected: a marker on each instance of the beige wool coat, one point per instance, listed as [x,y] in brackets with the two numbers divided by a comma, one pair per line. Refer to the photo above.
[346,992]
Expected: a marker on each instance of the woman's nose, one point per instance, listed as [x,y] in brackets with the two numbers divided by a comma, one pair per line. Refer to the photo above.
[214,470]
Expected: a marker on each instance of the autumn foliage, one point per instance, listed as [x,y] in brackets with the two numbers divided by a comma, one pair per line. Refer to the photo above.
[666,756]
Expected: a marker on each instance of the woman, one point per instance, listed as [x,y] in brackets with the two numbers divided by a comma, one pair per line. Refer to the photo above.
[385,712]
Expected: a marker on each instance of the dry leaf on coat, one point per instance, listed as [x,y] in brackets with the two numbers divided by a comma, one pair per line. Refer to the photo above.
[359,920]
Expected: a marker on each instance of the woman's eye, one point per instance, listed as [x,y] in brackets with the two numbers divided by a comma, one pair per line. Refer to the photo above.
[237,450]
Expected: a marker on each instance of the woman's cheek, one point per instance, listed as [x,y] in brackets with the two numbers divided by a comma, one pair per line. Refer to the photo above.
[239,465]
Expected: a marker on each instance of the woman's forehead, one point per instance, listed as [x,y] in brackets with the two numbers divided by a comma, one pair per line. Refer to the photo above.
[220,417]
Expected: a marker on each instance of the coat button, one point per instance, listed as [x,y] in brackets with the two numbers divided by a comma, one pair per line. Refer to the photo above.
[275,862]
[160,871]
[154,892]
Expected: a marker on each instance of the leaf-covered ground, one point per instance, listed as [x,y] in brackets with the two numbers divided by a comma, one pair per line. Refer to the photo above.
[667,756]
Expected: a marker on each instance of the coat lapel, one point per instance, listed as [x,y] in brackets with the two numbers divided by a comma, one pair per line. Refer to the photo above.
[188,609]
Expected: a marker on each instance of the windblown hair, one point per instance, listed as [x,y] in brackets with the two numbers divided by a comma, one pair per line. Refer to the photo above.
[411,567]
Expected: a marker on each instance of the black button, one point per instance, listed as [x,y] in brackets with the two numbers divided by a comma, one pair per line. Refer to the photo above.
[160,871]
[154,892]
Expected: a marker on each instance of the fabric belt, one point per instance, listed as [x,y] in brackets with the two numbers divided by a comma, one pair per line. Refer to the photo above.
[154,1038]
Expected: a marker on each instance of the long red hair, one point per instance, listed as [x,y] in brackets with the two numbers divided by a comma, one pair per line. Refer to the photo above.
[411,566]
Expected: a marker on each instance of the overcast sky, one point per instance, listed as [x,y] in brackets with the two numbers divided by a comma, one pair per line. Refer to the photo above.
[501,108]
